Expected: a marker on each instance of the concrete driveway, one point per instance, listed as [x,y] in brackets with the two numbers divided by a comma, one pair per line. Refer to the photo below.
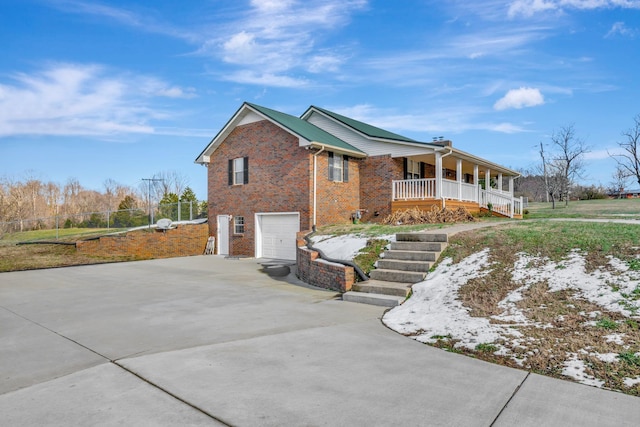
[209,341]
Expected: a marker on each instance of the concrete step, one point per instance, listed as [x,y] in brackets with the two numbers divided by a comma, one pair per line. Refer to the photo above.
[412,255]
[397,276]
[418,246]
[371,286]
[421,237]
[404,265]
[372,299]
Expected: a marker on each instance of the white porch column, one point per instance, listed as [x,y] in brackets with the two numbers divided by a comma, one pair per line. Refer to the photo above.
[438,175]
[500,181]
[476,177]
[511,186]
[459,177]
[487,179]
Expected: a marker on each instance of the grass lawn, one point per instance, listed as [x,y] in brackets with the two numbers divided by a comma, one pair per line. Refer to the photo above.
[14,257]
[605,208]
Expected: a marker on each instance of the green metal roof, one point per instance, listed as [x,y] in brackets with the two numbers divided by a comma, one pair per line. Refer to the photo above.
[305,129]
[369,130]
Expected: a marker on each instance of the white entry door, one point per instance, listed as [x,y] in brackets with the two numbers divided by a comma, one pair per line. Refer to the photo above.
[223,234]
[276,237]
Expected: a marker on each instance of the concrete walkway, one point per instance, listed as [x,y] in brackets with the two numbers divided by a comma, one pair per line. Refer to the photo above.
[209,341]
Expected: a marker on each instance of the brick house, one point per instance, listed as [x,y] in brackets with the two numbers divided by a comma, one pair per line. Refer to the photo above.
[271,175]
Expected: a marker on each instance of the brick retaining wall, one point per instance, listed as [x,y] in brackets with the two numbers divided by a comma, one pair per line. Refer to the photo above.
[185,240]
[323,274]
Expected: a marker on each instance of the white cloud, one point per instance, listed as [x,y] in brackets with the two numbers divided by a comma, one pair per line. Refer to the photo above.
[72,99]
[265,79]
[619,28]
[131,18]
[528,8]
[277,38]
[531,7]
[520,98]
[441,121]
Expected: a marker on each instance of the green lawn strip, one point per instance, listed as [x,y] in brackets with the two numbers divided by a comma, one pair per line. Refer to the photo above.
[64,234]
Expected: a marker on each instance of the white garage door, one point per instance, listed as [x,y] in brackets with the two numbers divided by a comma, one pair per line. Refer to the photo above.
[278,235]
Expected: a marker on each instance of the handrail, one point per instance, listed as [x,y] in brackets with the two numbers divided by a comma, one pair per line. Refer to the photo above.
[358,270]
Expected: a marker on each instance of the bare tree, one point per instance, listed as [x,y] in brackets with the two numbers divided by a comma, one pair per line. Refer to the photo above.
[169,182]
[568,160]
[620,177]
[629,159]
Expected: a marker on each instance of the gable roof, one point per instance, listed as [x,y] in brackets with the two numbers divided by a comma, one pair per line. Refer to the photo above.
[304,130]
[361,127]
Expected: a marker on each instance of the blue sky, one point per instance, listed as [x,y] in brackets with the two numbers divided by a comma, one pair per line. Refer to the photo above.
[124,89]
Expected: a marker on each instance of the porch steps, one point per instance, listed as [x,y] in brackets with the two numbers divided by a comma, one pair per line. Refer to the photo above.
[406,262]
[372,299]
[397,275]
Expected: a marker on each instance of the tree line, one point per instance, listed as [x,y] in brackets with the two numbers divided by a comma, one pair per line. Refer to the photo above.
[557,177]
[32,203]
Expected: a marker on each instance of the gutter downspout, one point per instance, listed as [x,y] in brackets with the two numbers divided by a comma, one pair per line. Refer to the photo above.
[315,185]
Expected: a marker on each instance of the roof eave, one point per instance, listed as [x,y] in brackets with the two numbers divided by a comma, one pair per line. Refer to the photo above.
[211,147]
[339,150]
[484,162]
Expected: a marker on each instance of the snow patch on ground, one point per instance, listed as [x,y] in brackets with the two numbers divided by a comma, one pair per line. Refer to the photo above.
[435,311]
[615,338]
[630,382]
[602,288]
[576,369]
[344,247]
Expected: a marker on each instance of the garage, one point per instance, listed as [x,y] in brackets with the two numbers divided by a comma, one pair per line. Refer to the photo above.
[276,235]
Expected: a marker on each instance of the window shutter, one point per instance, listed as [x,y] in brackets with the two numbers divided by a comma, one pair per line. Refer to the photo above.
[246,170]
[423,170]
[230,171]
[406,166]
[330,166]
[345,169]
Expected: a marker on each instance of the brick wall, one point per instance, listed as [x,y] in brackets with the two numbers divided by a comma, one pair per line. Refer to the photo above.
[376,174]
[336,201]
[185,240]
[323,274]
[279,172]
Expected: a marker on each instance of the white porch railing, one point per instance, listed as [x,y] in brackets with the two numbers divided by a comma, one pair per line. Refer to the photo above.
[420,189]
[468,192]
[414,189]
[500,202]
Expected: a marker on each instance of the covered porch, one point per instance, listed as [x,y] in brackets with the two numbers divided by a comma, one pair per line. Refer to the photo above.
[452,179]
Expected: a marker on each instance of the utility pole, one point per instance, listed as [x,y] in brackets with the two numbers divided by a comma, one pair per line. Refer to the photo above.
[149,181]
[544,172]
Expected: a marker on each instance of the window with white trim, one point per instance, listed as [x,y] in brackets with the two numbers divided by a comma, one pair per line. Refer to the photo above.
[239,171]
[238,225]
[338,167]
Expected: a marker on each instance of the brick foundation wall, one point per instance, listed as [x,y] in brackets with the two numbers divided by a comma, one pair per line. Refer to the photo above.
[185,240]
[323,274]
[376,174]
